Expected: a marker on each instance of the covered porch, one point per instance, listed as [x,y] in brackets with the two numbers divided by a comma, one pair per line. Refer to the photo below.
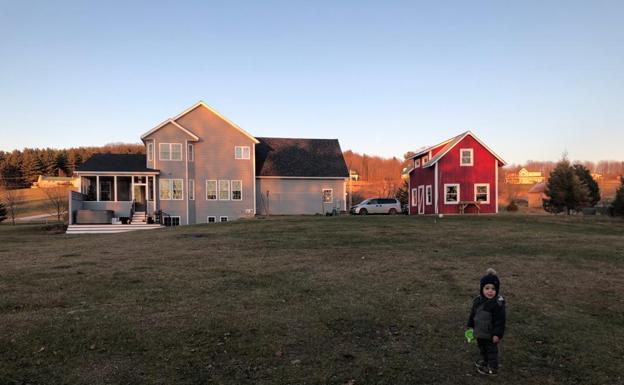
[125,196]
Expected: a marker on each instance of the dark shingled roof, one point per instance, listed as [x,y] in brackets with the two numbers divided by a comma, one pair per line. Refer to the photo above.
[300,158]
[116,162]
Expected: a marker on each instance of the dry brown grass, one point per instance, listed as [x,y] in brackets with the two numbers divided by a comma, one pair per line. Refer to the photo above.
[314,300]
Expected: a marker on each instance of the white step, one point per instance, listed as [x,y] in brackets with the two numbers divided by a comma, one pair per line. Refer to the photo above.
[108,229]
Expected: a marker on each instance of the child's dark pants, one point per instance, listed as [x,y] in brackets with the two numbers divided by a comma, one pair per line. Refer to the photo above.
[489,352]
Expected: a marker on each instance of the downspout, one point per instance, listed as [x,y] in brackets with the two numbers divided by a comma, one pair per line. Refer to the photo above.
[436,187]
[186,183]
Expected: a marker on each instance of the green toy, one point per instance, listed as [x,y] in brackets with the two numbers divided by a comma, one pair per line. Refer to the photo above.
[469,335]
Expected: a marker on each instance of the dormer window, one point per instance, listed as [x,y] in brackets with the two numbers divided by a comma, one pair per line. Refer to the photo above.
[425,159]
[416,163]
[466,157]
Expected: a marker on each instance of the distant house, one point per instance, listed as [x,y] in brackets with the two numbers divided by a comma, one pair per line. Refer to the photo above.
[456,176]
[524,176]
[537,194]
[200,167]
[55,181]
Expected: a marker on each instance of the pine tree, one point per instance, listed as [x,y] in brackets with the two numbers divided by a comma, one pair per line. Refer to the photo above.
[60,164]
[3,212]
[32,166]
[564,190]
[618,202]
[585,176]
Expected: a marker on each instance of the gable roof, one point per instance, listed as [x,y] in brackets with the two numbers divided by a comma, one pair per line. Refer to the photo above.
[176,124]
[292,157]
[449,144]
[228,121]
[115,163]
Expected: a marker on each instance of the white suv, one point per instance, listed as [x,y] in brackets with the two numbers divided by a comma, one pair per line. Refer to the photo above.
[377,206]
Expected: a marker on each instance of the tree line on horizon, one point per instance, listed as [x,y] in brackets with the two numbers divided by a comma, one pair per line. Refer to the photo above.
[19,169]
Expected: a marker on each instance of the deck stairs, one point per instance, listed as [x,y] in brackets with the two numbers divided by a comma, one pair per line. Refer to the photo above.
[138,223]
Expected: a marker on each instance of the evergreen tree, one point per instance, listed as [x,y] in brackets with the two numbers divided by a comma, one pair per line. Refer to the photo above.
[618,202]
[32,166]
[564,190]
[585,176]
[60,164]
[402,193]
[3,212]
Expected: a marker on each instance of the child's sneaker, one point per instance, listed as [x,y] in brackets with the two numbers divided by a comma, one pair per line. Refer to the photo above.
[480,364]
[487,371]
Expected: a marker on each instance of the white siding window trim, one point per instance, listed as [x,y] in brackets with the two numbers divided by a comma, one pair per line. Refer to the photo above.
[190,152]
[171,220]
[223,218]
[150,151]
[240,189]
[167,189]
[224,190]
[446,195]
[168,154]
[414,197]
[212,193]
[328,198]
[461,157]
[242,152]
[428,195]
[416,162]
[487,192]
[191,189]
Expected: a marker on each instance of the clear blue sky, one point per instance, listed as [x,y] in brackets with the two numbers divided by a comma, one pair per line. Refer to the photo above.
[531,78]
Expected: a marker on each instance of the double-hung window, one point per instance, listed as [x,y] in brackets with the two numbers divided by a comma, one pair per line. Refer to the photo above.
[428,194]
[171,189]
[170,151]
[211,190]
[191,153]
[467,157]
[328,195]
[482,192]
[224,190]
[414,197]
[150,151]
[237,190]
[451,193]
[241,152]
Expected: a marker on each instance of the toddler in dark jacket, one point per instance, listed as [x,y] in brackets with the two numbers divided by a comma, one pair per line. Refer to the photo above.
[487,319]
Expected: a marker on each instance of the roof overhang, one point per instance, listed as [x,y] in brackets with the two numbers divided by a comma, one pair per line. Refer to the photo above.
[456,140]
[117,173]
[175,124]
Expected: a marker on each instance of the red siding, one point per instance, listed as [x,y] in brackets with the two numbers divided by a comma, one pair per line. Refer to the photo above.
[482,171]
[422,177]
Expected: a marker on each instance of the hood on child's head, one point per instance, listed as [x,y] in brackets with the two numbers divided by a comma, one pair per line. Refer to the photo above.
[490,277]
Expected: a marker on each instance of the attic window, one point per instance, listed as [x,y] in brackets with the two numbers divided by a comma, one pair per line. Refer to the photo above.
[241,152]
[416,163]
[467,158]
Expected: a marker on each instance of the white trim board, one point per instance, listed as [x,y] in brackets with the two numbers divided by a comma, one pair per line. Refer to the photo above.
[163,124]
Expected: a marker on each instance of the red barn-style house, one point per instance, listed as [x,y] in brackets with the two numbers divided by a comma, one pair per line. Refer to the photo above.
[459,175]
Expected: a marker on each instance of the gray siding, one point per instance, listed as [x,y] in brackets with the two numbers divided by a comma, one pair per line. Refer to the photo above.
[298,196]
[214,160]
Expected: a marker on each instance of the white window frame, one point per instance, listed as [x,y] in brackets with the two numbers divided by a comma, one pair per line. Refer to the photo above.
[170,146]
[446,185]
[428,195]
[222,217]
[242,155]
[190,152]
[150,151]
[216,189]
[191,189]
[461,157]
[170,196]
[224,182]
[425,159]
[213,217]
[331,195]
[416,163]
[487,185]
[171,220]
[414,197]
[232,190]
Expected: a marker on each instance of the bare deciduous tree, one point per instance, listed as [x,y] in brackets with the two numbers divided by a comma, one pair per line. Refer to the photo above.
[57,200]
[11,198]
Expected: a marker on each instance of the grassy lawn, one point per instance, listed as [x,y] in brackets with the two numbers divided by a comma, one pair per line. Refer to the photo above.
[314,300]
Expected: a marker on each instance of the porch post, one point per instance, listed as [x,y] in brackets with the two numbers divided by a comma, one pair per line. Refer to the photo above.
[97,187]
[115,186]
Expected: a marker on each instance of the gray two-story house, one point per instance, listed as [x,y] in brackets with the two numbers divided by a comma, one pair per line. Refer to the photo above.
[199,167]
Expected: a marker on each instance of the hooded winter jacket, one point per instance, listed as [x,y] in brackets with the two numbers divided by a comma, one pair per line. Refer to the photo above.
[487,317]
